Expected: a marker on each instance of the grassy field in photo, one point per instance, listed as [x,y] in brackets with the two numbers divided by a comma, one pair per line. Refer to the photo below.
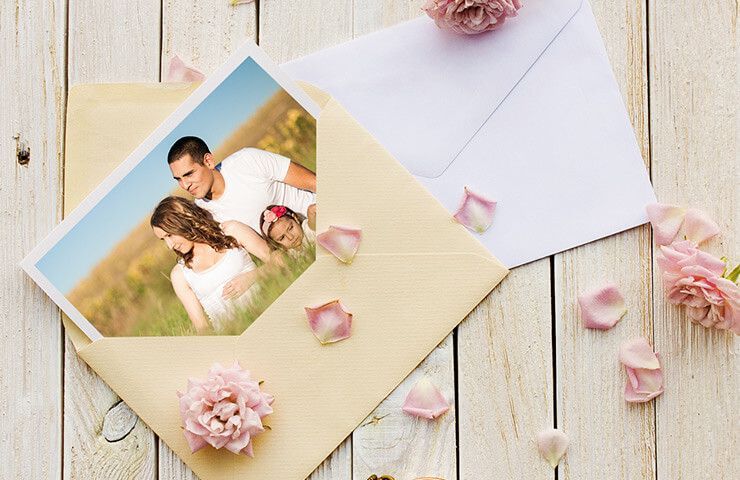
[129,293]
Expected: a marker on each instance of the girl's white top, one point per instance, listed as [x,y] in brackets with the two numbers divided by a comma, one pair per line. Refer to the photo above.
[208,285]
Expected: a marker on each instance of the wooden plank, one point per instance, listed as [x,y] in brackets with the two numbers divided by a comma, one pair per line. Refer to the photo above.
[609,438]
[108,42]
[204,38]
[694,131]
[33,89]
[389,441]
[505,390]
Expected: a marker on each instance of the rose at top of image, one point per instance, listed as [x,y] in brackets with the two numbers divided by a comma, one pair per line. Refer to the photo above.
[471,17]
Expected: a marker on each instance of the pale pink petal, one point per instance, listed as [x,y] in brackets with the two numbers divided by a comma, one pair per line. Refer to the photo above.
[602,308]
[552,444]
[195,442]
[666,221]
[643,384]
[475,212]
[425,400]
[330,322]
[637,353]
[342,242]
[698,227]
[179,72]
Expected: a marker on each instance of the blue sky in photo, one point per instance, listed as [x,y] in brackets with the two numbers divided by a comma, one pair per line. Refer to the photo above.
[234,101]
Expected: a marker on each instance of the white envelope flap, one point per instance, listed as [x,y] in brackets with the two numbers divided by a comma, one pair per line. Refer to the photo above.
[471,91]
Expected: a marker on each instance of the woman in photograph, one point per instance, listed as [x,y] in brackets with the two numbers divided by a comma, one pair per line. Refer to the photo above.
[288,231]
[214,275]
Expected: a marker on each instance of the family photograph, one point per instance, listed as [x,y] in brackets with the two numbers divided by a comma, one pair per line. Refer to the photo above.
[254,207]
[209,228]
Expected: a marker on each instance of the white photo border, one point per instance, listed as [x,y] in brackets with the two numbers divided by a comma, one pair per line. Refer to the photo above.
[241,55]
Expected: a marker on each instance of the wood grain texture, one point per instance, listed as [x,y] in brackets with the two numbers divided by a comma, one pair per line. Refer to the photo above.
[505,389]
[694,121]
[32,48]
[108,42]
[389,441]
[609,438]
[203,38]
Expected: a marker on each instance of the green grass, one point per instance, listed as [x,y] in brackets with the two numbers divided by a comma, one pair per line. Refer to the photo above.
[171,318]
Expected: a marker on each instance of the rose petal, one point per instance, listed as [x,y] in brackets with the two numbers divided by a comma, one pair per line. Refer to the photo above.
[637,353]
[602,308]
[552,444]
[195,442]
[643,384]
[330,322]
[179,72]
[666,221]
[425,400]
[698,227]
[342,242]
[475,212]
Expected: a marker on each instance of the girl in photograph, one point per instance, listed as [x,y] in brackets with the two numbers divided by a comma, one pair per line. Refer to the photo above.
[214,275]
[288,231]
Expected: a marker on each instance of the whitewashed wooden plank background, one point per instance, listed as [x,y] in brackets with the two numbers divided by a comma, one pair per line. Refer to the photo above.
[519,363]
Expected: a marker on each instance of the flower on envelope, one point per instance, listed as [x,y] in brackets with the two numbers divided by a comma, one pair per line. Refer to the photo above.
[224,411]
[471,16]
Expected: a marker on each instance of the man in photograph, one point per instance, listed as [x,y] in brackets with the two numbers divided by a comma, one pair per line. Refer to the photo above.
[243,184]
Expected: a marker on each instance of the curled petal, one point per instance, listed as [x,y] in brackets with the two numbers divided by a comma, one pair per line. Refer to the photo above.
[666,221]
[425,400]
[642,384]
[179,72]
[552,444]
[475,212]
[644,371]
[342,242]
[698,227]
[330,322]
[637,353]
[602,308]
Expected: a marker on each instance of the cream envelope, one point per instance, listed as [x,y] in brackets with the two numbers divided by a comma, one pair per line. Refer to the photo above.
[417,275]
[530,115]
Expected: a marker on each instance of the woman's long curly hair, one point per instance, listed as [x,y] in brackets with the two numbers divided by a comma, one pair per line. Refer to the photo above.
[179,216]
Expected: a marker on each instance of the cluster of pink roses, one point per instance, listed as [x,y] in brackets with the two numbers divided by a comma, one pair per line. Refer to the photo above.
[692,277]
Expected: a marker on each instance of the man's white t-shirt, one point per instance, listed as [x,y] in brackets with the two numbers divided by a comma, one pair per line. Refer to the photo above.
[254,180]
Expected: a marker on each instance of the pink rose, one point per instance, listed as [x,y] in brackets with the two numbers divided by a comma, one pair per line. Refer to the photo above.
[270,216]
[225,410]
[471,16]
[693,278]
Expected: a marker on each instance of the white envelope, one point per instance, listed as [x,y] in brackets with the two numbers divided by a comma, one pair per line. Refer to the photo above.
[529,115]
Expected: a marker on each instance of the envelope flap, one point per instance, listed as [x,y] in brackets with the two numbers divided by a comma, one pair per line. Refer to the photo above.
[425,80]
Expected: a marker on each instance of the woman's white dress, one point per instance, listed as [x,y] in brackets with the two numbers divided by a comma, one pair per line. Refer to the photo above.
[208,285]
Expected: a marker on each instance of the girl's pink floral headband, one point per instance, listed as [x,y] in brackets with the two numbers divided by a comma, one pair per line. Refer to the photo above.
[270,216]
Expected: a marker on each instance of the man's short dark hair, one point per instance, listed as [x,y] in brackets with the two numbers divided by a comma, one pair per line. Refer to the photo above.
[193,146]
